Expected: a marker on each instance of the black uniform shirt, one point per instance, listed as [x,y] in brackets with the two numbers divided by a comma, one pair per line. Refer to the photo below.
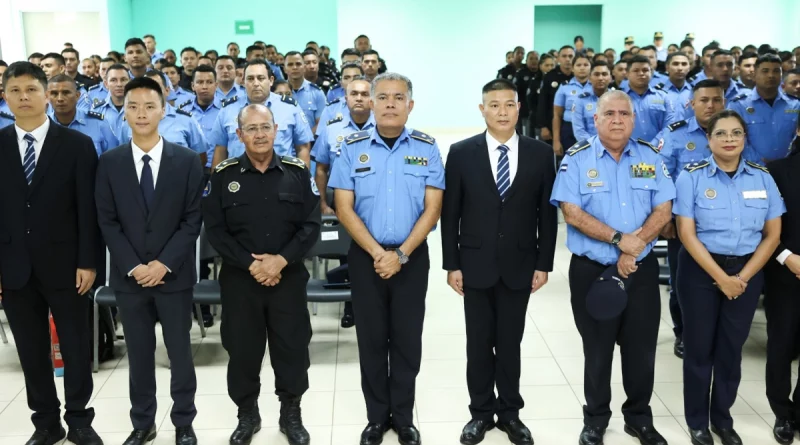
[275,212]
[521,80]
[552,80]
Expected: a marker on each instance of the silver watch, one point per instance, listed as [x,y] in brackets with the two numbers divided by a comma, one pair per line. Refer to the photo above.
[403,257]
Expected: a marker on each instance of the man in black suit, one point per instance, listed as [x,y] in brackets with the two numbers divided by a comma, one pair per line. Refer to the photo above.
[498,243]
[48,253]
[148,206]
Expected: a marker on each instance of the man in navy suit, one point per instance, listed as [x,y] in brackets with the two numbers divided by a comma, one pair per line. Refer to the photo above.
[148,196]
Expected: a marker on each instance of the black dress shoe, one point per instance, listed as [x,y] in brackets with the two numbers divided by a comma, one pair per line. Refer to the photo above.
[84,436]
[592,435]
[701,437]
[47,437]
[208,320]
[408,435]
[248,426]
[727,435]
[140,437]
[647,435]
[291,423]
[474,431]
[373,433]
[783,431]
[348,320]
[517,432]
[678,348]
[184,435]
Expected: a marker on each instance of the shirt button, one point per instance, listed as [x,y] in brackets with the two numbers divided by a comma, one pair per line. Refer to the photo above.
[623,204]
[28,231]
[390,172]
[500,235]
[390,210]
[390,190]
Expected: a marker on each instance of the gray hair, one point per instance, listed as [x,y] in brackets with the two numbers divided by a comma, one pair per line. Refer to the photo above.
[391,76]
[614,95]
[253,107]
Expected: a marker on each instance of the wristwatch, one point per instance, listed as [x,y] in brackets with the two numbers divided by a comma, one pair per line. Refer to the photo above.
[403,257]
[615,240]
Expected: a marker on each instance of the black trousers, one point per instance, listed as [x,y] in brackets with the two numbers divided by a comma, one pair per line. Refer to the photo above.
[389,316]
[673,247]
[253,316]
[782,308]
[567,136]
[636,332]
[714,332]
[139,313]
[27,312]
[495,322]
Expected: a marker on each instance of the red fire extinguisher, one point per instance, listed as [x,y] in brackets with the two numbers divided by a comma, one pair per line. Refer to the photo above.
[58,362]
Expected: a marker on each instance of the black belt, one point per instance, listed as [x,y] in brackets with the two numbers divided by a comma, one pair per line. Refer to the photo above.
[390,246]
[725,261]
[599,264]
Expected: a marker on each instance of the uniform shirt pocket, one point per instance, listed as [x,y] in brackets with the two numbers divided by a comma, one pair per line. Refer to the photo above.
[366,182]
[755,213]
[643,189]
[596,198]
[712,214]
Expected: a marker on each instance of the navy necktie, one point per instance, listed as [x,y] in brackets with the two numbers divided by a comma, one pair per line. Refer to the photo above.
[146,182]
[29,160]
[503,172]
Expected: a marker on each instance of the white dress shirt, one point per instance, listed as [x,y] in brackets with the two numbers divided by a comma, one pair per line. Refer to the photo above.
[513,155]
[155,159]
[783,256]
[38,134]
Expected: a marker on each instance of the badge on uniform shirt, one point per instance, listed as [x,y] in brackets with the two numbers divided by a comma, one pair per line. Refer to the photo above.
[527,78]
[588,107]
[554,84]
[592,173]
[690,146]
[339,138]
[363,158]
[750,110]
[339,116]
[660,144]
[415,160]
[666,172]
[234,187]
[642,170]
[711,193]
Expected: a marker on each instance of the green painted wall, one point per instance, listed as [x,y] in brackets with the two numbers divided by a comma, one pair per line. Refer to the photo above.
[556,26]
[120,23]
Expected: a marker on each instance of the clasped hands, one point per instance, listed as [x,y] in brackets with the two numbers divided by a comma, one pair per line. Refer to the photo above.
[631,247]
[387,263]
[266,268]
[150,275]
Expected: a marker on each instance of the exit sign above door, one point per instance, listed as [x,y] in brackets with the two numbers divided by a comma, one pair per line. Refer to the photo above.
[244,27]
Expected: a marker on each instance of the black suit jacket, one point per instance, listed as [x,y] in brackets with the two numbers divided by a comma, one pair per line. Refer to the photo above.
[784,172]
[167,233]
[48,229]
[487,238]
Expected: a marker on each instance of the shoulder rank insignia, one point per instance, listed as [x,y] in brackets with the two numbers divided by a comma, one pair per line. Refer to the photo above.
[357,136]
[659,86]
[336,119]
[226,163]
[97,85]
[7,115]
[188,102]
[691,79]
[288,100]
[95,115]
[694,166]
[643,142]
[584,94]
[420,136]
[229,101]
[98,104]
[291,160]
[335,86]
[757,166]
[579,146]
[313,85]
[675,125]
[739,97]
[183,112]
[335,101]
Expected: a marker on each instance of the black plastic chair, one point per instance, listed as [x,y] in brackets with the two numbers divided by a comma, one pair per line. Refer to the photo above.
[660,250]
[205,291]
[333,242]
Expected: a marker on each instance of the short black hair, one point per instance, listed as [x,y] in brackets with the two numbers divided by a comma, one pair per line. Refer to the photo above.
[260,62]
[580,56]
[721,52]
[62,78]
[577,39]
[166,65]
[212,51]
[785,55]
[708,83]
[144,83]
[686,43]
[620,62]
[293,53]
[498,85]
[768,58]
[648,48]
[747,55]
[225,57]
[115,67]
[71,50]
[545,57]
[764,49]
[565,47]
[3,63]
[750,48]
[204,69]
[252,48]
[350,52]
[188,48]
[278,83]
[709,47]
[600,64]
[232,43]
[19,69]
[36,56]
[370,52]
[268,46]
[164,79]
[149,35]
[310,52]
[676,54]
[639,59]
[311,42]
[134,41]
[508,53]
[795,71]
[107,59]
[724,114]
[590,50]
[170,51]
[625,54]
[598,56]
[361,36]
[55,56]
[351,66]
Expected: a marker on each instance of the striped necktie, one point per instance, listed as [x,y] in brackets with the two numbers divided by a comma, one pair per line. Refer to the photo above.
[503,173]
[29,160]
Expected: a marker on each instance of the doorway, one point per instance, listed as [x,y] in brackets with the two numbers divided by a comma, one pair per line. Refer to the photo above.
[556,26]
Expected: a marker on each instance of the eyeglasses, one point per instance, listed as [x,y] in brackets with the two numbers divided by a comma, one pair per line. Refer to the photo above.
[735,135]
[254,129]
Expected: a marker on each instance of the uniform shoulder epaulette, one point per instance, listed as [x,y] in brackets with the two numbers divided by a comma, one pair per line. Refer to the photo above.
[357,136]
[226,163]
[659,86]
[291,160]
[313,85]
[7,115]
[95,115]
[420,136]
[696,166]
[757,166]
[579,146]
[97,85]
[652,147]
[98,104]
[336,119]
[335,101]
[80,85]
[741,85]
[229,101]
[188,102]
[288,99]
[335,86]
[183,112]
[691,79]
[585,94]
[739,97]
[675,125]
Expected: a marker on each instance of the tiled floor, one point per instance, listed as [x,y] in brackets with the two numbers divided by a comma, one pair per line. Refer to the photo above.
[333,409]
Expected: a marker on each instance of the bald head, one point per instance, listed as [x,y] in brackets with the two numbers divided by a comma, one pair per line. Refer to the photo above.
[612,96]
[254,114]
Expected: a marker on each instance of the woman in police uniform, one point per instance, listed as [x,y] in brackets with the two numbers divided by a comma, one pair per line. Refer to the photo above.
[565,97]
[728,213]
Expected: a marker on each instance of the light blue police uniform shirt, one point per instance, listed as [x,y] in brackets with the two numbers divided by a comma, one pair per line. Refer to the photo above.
[206,118]
[388,184]
[736,89]
[680,98]
[567,94]
[111,115]
[293,127]
[729,213]
[237,90]
[158,55]
[329,144]
[334,110]
[621,194]
[583,112]
[178,127]
[95,94]
[653,113]
[311,100]
[180,96]
[92,124]
[697,78]
[655,79]
[770,129]
[336,92]
[276,71]
[6,116]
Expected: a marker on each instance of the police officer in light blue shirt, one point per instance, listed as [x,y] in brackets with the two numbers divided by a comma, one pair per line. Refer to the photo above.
[770,114]
[722,63]
[585,106]
[656,78]
[294,133]
[205,107]
[616,196]
[679,91]
[653,110]
[112,106]
[335,110]
[95,94]
[728,212]
[6,116]
[227,88]
[309,96]
[389,185]
[564,100]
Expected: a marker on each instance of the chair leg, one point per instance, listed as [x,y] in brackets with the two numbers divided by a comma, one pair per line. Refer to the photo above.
[199,315]
[314,309]
[96,329]
[3,332]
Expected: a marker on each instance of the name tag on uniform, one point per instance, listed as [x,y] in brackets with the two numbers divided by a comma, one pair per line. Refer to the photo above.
[657,102]
[755,194]
[594,184]
[363,169]
[415,160]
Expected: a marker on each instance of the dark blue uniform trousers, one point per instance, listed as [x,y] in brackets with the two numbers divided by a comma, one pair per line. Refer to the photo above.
[714,331]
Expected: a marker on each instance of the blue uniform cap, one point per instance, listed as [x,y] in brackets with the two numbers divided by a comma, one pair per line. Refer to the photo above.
[607,297]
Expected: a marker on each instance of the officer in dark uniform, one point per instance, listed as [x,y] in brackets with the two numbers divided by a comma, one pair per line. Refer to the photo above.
[559,76]
[509,71]
[262,217]
[522,81]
